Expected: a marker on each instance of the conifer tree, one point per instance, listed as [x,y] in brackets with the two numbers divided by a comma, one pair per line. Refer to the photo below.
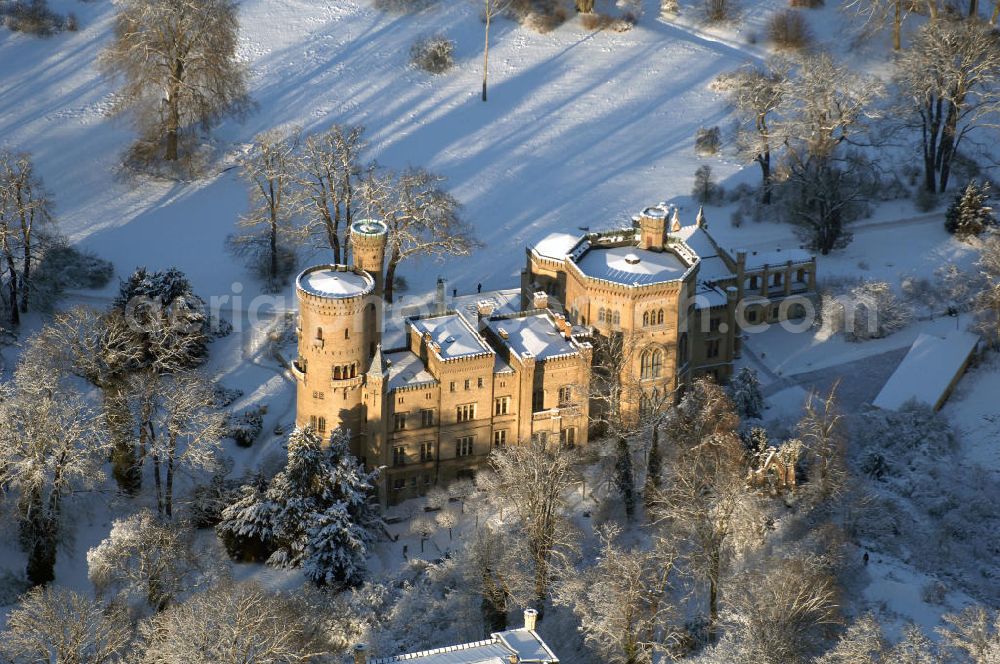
[744,390]
[969,214]
[624,477]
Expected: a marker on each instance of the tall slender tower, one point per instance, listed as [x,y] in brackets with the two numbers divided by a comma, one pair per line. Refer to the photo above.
[334,344]
[368,238]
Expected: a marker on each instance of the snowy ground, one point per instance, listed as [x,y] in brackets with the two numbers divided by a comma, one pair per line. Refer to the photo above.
[582,129]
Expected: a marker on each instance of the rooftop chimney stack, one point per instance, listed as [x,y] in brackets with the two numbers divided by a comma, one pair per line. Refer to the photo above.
[530,619]
[360,654]
[540,300]
[440,308]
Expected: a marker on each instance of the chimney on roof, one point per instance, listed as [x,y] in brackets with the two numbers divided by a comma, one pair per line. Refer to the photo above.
[440,307]
[540,300]
[360,654]
[530,619]
[514,659]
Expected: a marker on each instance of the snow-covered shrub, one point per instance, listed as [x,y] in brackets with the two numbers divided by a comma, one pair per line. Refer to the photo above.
[596,21]
[225,396]
[434,54]
[934,593]
[719,10]
[312,515]
[788,29]
[245,428]
[869,310]
[33,17]
[707,141]
[670,8]
[902,436]
[403,6]
[544,22]
[64,267]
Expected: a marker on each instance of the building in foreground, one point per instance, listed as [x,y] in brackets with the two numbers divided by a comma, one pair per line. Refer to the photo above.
[515,646]
[663,297]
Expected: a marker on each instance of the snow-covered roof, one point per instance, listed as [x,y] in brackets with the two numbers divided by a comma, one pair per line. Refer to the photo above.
[556,245]
[707,298]
[697,238]
[335,281]
[758,259]
[630,265]
[406,370]
[534,334]
[453,334]
[928,370]
[714,268]
[498,649]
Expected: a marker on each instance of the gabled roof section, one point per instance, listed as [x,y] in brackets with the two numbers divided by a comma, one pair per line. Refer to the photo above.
[451,336]
[498,649]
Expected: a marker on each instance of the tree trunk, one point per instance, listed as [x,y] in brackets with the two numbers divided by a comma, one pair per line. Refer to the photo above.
[174,112]
[715,567]
[15,310]
[273,237]
[169,496]
[767,186]
[486,51]
[897,26]
[390,276]
[158,482]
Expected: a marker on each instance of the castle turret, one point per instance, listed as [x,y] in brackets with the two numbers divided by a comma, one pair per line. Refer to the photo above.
[368,238]
[335,346]
[653,227]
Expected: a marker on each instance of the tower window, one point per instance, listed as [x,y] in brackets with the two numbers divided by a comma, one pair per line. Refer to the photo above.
[347,333]
[651,364]
[466,412]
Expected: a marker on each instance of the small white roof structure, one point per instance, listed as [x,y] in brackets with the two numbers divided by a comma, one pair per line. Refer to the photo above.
[929,371]
[453,334]
[534,334]
[556,245]
[335,281]
[525,644]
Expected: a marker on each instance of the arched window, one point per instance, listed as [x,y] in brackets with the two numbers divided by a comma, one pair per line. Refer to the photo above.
[354,370]
[600,315]
[645,318]
[319,333]
[617,319]
[659,317]
[651,364]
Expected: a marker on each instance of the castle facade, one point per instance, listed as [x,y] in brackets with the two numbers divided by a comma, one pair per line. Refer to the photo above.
[663,297]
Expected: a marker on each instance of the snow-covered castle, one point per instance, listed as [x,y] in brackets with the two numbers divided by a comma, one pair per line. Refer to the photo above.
[662,295]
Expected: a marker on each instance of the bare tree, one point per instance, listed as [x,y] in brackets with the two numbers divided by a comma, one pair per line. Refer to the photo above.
[177,63]
[532,481]
[864,643]
[823,109]
[423,218]
[25,211]
[975,632]
[777,612]
[821,431]
[623,601]
[236,624]
[55,624]
[145,560]
[492,9]
[329,168]
[756,94]
[986,301]
[949,81]
[269,229]
[704,501]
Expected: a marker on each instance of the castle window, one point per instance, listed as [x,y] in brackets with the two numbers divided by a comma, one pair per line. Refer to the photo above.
[347,333]
[398,484]
[336,373]
[354,370]
[468,383]
[659,317]
[499,438]
[645,319]
[321,425]
[400,421]
[501,406]
[777,279]
[399,456]
[426,451]
[682,348]
[463,446]
[538,401]
[319,334]
[312,422]
[712,348]
[800,276]
[427,417]
[479,382]
[451,386]
[617,319]
[714,323]
[565,395]
[541,437]
[752,315]
[466,412]
[651,364]
[600,315]
[567,437]
[753,282]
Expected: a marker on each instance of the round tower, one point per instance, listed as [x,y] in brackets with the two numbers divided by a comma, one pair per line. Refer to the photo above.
[368,238]
[334,348]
